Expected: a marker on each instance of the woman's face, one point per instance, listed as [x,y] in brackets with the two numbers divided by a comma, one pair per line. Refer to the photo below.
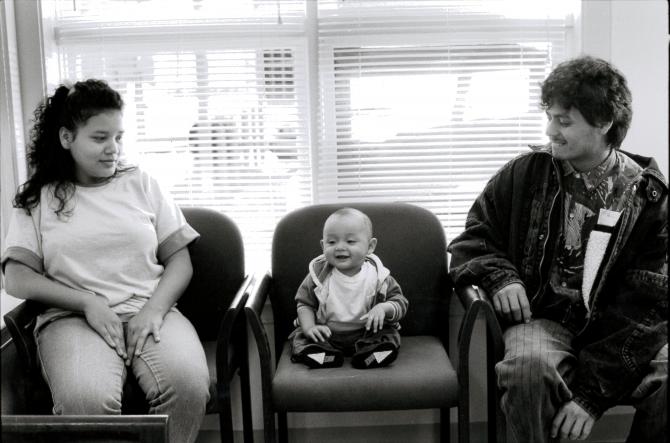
[95,147]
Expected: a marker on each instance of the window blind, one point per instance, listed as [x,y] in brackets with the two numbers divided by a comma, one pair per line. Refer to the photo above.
[417,100]
[215,99]
[422,101]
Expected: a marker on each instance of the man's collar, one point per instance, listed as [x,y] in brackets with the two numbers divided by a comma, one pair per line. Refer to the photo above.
[594,176]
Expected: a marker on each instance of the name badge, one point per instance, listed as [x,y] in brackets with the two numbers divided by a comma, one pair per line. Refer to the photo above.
[608,218]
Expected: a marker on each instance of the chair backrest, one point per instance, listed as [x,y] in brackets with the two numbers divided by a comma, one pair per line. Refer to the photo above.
[411,244]
[218,270]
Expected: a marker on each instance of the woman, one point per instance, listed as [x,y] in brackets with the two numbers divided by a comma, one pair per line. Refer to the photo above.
[99,243]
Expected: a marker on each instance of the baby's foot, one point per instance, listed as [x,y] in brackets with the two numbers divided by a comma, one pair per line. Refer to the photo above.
[376,357]
[316,357]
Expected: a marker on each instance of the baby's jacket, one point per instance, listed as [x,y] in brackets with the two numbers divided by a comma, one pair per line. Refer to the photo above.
[313,292]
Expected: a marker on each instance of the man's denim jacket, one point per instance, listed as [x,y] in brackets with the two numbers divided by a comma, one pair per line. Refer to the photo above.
[511,234]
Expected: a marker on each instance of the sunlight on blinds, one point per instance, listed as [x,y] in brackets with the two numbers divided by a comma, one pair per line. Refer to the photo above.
[217,115]
[422,101]
[416,100]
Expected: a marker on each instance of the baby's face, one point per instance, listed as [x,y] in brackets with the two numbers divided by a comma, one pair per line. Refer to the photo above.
[346,242]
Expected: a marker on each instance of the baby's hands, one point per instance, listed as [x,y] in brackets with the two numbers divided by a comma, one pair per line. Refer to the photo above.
[375,318]
[318,333]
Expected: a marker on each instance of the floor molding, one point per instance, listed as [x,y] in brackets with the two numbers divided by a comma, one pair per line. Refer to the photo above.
[610,428]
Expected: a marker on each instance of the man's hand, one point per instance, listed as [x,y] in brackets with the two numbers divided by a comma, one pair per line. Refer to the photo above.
[375,318]
[512,304]
[572,421]
[318,333]
[106,323]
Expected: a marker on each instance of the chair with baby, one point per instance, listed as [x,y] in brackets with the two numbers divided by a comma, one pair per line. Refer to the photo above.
[412,244]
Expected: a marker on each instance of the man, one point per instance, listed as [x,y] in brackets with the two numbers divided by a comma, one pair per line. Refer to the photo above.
[570,243]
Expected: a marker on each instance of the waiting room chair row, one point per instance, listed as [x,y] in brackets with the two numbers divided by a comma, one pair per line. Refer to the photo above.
[221,301]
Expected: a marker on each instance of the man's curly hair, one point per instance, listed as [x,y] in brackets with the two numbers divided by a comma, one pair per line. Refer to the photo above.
[594,87]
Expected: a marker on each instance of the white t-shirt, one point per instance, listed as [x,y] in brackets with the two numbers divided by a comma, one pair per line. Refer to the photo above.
[112,243]
[348,298]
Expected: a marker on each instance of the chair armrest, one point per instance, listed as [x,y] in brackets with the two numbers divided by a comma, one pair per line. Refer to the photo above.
[258,294]
[252,310]
[231,340]
[20,322]
[474,300]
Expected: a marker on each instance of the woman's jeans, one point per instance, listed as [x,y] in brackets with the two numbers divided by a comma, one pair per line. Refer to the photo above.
[86,376]
[535,373]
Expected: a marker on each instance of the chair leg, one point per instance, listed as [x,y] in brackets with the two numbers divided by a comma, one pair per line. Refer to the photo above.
[247,422]
[282,424]
[225,412]
[464,423]
[269,424]
[445,425]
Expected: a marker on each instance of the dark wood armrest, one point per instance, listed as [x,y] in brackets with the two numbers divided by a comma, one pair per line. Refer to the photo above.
[20,322]
[231,340]
[236,306]
[258,294]
[253,309]
[83,428]
[475,300]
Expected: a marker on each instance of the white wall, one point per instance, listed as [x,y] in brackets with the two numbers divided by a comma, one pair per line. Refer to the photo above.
[633,35]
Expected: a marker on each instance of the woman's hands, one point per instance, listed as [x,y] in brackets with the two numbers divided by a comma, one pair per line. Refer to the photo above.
[106,323]
[147,322]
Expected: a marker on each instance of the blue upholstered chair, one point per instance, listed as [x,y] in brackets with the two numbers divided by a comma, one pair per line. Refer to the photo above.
[412,244]
[213,302]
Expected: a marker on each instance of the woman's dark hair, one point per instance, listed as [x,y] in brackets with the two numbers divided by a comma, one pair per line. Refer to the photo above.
[51,164]
[594,87]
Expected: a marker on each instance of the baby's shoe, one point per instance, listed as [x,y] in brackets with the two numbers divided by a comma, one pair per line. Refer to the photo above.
[317,357]
[375,357]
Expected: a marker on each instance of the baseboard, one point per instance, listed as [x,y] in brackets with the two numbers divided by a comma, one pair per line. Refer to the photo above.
[611,428]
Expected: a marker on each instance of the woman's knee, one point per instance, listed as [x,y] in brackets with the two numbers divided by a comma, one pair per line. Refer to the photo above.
[192,382]
[184,382]
[81,399]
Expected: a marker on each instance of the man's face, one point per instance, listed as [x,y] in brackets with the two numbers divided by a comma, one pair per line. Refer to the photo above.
[574,139]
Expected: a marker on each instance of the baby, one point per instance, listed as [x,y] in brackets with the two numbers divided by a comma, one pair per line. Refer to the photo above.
[348,304]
